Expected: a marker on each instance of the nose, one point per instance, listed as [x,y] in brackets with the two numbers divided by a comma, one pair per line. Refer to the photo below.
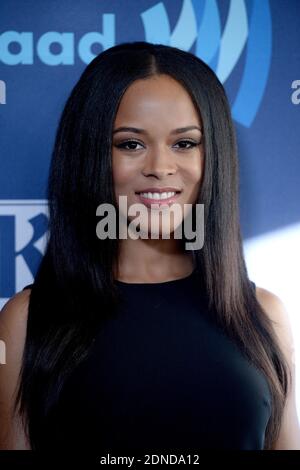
[159,163]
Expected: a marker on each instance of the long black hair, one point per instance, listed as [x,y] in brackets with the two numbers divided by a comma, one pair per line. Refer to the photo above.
[73,291]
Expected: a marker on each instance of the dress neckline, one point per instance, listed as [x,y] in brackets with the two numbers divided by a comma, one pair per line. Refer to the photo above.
[156,284]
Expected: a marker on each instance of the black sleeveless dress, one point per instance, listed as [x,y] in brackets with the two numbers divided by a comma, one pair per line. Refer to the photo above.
[161,376]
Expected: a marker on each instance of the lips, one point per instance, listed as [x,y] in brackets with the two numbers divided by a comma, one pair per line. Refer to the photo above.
[166,189]
[149,202]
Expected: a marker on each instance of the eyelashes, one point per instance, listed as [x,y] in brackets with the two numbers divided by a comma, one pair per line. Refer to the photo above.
[122,146]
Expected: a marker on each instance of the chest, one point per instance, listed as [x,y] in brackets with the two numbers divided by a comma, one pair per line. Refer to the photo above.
[165,373]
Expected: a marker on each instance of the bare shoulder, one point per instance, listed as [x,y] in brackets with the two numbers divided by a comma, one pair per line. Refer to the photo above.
[13,323]
[272,303]
[15,311]
[277,312]
[274,307]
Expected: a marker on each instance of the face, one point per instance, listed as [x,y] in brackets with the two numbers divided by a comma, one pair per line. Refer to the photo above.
[157,157]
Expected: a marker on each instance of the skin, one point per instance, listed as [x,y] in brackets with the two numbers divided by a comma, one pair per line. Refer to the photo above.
[289,435]
[158,105]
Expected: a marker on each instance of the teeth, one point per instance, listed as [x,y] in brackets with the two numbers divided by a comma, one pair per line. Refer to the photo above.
[158,195]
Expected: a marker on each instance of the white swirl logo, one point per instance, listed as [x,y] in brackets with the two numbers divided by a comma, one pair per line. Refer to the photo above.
[248,33]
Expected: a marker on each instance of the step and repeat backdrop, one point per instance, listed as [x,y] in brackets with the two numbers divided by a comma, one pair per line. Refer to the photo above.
[254,48]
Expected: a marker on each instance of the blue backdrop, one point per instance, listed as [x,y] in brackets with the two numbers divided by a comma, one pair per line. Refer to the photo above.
[253,46]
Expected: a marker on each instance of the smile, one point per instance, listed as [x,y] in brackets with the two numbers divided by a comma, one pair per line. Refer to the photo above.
[165,198]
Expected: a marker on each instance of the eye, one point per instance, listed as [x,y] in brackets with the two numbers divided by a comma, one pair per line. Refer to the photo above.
[123,145]
[130,145]
[192,144]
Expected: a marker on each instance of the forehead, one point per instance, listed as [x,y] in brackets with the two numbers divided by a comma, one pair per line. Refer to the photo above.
[159,99]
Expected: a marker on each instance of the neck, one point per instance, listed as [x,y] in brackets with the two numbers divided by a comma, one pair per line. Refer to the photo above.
[149,260]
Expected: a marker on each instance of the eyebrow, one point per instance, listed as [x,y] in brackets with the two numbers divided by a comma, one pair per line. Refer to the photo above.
[180,130]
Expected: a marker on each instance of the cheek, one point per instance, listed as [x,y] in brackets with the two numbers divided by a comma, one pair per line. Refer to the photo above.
[193,171]
[123,174]
[199,166]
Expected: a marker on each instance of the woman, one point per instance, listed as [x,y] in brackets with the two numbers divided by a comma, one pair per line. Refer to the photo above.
[138,342]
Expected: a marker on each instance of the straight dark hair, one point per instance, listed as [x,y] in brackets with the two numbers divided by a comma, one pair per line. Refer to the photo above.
[74,292]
